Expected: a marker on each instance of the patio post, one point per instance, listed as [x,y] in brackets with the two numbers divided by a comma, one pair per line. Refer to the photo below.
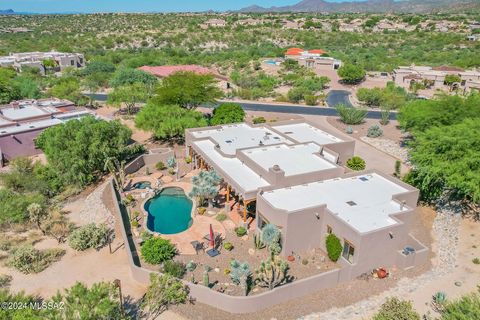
[245,203]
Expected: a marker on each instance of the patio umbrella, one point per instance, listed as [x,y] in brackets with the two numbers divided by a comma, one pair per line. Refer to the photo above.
[212,237]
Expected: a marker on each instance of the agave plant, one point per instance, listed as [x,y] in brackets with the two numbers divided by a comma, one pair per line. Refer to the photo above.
[270,236]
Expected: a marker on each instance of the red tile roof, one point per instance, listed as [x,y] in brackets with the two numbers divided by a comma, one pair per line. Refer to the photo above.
[294,52]
[165,71]
[317,51]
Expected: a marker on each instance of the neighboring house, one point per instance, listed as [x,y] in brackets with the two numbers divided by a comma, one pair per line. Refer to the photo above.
[294,173]
[22,121]
[434,77]
[60,60]
[473,37]
[353,26]
[293,24]
[314,59]
[214,23]
[474,26]
[249,22]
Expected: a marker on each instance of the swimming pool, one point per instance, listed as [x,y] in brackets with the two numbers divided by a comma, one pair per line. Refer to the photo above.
[169,212]
[142,185]
[271,62]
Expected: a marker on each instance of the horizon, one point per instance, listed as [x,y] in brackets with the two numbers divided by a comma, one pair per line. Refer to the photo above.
[139,6]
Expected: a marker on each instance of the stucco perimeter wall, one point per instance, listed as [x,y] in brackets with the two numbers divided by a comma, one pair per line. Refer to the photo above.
[232,304]
[148,160]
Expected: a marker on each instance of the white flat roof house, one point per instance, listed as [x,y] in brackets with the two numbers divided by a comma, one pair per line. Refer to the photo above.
[22,121]
[294,173]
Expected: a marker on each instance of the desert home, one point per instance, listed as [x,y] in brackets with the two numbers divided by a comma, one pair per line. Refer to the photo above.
[293,172]
[434,77]
[22,121]
[316,59]
[38,60]
[213,23]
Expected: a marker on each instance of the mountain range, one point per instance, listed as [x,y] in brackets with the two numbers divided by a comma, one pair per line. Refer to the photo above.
[380,6]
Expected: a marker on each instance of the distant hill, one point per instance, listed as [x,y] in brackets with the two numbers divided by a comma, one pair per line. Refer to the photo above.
[8,11]
[380,6]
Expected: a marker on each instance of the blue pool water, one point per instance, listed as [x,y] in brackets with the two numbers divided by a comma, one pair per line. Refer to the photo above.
[169,212]
[142,185]
[272,62]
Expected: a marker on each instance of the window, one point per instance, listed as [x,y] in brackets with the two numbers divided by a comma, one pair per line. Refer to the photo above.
[348,251]
[72,62]
[329,230]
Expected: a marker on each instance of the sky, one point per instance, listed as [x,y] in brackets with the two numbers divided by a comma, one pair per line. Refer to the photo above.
[48,6]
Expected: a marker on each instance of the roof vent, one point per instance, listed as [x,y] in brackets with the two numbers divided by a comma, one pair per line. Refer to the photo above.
[351,203]
[276,167]
[363,178]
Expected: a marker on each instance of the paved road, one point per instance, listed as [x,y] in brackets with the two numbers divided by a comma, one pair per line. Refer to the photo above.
[301,110]
[335,97]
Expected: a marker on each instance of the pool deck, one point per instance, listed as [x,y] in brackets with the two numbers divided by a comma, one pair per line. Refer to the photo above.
[200,227]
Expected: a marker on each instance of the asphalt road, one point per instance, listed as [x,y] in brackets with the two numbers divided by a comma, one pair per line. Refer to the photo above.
[301,110]
[335,97]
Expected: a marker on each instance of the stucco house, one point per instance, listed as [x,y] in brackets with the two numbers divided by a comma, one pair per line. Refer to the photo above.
[22,121]
[294,172]
[60,60]
[315,59]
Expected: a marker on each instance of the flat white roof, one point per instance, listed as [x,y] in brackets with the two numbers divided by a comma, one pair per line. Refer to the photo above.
[23,112]
[303,132]
[230,138]
[245,177]
[293,160]
[30,126]
[364,202]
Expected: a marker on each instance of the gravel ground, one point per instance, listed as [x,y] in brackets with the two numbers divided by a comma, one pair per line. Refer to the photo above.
[389,146]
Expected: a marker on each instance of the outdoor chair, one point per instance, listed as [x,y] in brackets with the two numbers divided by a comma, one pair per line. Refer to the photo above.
[197,246]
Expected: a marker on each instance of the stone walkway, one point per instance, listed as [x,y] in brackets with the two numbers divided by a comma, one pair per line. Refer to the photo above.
[446,231]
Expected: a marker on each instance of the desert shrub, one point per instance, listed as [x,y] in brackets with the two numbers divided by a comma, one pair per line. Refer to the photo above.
[201,210]
[158,250]
[356,163]
[349,130]
[374,131]
[228,246]
[174,268]
[334,247]
[145,235]
[395,309]
[258,120]
[5,280]
[221,217]
[27,259]
[160,165]
[240,231]
[311,100]
[467,307]
[351,115]
[89,236]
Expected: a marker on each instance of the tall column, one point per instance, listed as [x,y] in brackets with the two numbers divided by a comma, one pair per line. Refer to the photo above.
[245,203]
[227,198]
